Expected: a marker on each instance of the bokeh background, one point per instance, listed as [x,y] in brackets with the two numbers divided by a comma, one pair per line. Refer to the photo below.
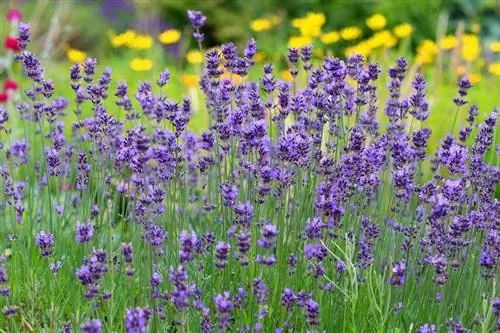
[139,39]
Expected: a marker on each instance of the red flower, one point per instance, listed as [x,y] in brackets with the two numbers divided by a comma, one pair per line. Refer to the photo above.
[3,97]
[10,85]
[12,43]
[14,15]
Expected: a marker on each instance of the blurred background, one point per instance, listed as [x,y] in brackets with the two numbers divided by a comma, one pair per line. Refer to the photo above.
[139,39]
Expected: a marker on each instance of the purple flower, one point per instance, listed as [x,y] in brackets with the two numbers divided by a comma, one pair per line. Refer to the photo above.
[224,307]
[84,232]
[92,326]
[426,328]
[45,241]
[221,253]
[136,320]
[197,19]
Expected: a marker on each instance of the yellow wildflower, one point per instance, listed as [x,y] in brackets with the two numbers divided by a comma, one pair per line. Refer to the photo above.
[122,39]
[330,37]
[299,41]
[494,68]
[285,75]
[448,42]
[310,25]
[426,52]
[194,57]
[495,47]
[382,39]
[261,25]
[141,42]
[474,78]
[75,55]
[403,30]
[350,33]
[189,80]
[170,36]
[476,28]
[376,22]
[470,47]
[141,64]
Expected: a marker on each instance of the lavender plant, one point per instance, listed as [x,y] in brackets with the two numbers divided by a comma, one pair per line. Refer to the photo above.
[295,210]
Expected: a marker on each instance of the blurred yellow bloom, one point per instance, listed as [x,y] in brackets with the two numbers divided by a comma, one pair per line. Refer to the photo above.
[170,36]
[494,68]
[75,55]
[194,57]
[299,41]
[141,42]
[310,25]
[495,47]
[189,80]
[448,42]
[476,28]
[470,47]
[122,39]
[285,75]
[363,47]
[376,22]
[141,64]
[382,39]
[330,37]
[475,78]
[261,25]
[426,52]
[403,30]
[260,56]
[350,33]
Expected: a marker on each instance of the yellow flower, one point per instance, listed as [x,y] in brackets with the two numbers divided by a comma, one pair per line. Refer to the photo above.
[495,47]
[310,25]
[475,78]
[122,39]
[403,30]
[170,36]
[285,75]
[299,41]
[194,57]
[382,39]
[350,33]
[261,25]
[426,52]
[376,22]
[448,42]
[330,37]
[75,55]
[141,42]
[494,68]
[476,28]
[189,80]
[470,47]
[141,64]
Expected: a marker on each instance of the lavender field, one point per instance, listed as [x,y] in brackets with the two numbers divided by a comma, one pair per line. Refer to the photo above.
[307,204]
